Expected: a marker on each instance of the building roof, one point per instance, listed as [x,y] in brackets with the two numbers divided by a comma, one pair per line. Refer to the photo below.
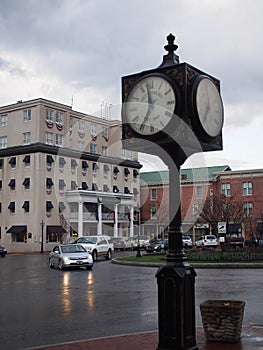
[191,174]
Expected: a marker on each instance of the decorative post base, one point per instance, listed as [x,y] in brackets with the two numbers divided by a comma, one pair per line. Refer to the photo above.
[176,304]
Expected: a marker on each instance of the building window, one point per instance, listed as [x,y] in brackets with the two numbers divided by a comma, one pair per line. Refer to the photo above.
[84,165]
[105,134]
[49,183]
[126,172]
[12,184]
[61,207]
[26,160]
[93,130]
[61,184]
[93,148]
[49,138]
[198,191]
[50,160]
[73,165]
[106,169]
[153,194]
[73,185]
[59,140]
[1,164]
[4,120]
[247,188]
[104,150]
[1,185]
[3,141]
[27,115]
[26,138]
[59,117]
[49,114]
[26,183]
[153,212]
[12,207]
[81,125]
[196,209]
[25,206]
[71,123]
[81,146]
[61,163]
[248,208]
[225,189]
[49,206]
[12,162]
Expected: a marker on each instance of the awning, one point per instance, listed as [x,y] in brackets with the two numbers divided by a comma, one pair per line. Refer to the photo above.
[12,183]
[49,205]
[106,168]
[73,163]
[49,182]
[84,186]
[62,161]
[17,229]
[95,166]
[12,161]
[95,187]
[85,164]
[55,229]
[26,159]
[26,205]
[12,206]
[61,183]
[50,159]
[126,190]
[135,172]
[115,189]
[126,171]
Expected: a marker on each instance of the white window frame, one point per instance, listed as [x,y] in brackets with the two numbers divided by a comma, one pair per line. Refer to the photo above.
[153,194]
[26,138]
[93,148]
[50,114]
[198,191]
[81,146]
[226,189]
[81,125]
[49,138]
[59,117]
[104,150]
[58,140]
[3,141]
[4,120]
[27,115]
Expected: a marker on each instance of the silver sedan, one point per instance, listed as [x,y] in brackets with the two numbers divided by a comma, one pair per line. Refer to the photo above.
[70,255]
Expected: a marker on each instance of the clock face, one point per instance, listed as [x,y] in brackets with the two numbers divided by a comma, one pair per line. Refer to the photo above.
[209,106]
[150,105]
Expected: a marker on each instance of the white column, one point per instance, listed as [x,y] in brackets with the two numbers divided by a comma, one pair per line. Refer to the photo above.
[80,219]
[99,226]
[116,220]
[131,222]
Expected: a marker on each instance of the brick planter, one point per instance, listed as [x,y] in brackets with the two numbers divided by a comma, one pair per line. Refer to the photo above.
[222,320]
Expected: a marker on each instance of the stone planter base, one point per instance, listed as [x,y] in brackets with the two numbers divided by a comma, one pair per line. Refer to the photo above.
[222,320]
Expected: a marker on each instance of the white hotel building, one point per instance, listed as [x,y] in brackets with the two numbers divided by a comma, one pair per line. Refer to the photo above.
[63,173]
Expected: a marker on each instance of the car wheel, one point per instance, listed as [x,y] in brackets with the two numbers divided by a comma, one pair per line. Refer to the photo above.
[60,265]
[109,255]
[95,255]
[50,264]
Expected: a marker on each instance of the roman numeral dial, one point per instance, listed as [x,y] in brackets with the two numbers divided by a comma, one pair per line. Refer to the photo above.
[150,105]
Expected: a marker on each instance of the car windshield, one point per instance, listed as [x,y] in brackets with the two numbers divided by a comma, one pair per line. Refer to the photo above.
[73,249]
[211,237]
[91,239]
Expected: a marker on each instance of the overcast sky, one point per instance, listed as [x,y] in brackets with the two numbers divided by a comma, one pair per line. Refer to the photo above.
[59,49]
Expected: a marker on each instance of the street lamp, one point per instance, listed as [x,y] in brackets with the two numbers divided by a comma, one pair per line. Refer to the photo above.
[42,224]
[138,255]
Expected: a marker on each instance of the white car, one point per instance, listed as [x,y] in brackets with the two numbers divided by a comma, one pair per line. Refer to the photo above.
[142,240]
[96,246]
[68,255]
[206,241]
[187,242]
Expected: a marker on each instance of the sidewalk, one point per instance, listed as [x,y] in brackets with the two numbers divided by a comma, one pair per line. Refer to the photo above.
[251,339]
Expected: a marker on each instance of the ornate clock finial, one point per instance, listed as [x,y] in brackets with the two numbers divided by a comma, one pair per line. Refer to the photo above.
[170,59]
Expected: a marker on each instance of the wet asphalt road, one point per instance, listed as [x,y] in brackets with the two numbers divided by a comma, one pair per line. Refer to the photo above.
[41,306]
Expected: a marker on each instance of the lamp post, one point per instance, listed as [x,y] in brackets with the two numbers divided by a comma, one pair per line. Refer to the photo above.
[42,224]
[138,255]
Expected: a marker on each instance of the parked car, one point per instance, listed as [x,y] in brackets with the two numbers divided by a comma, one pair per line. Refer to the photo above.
[3,251]
[96,246]
[128,243]
[143,241]
[118,243]
[187,242]
[206,241]
[68,256]
[157,246]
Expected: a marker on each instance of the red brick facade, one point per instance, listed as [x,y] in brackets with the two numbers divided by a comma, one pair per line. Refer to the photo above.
[245,187]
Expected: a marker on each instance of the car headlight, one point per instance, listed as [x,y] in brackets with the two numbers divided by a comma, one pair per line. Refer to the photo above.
[65,259]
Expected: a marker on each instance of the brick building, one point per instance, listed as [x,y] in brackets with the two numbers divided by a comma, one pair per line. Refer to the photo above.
[244,187]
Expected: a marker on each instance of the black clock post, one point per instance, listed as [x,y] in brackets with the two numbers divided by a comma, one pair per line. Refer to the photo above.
[195,125]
